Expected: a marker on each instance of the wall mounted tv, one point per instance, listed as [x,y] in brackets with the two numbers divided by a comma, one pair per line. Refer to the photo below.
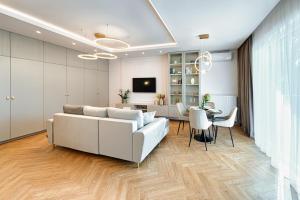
[144,85]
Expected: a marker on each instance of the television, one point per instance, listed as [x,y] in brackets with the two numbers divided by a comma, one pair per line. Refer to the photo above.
[144,85]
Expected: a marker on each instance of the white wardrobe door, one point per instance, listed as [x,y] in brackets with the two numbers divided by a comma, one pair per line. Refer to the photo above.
[4,102]
[27,88]
[75,85]
[91,87]
[55,85]
[103,88]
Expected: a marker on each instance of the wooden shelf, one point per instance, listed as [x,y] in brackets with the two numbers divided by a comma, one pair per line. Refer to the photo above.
[192,84]
[176,65]
[176,94]
[176,74]
[193,74]
[176,84]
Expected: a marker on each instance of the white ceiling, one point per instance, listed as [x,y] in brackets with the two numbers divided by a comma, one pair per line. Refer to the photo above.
[138,22]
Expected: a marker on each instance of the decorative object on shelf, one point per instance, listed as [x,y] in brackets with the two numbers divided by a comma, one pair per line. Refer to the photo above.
[192,81]
[179,81]
[174,81]
[203,63]
[172,71]
[175,62]
[124,95]
[206,98]
[188,70]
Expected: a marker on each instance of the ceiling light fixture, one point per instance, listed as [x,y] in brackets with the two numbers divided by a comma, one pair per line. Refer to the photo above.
[126,54]
[73,43]
[104,55]
[38,32]
[203,62]
[143,53]
[103,40]
[88,56]
[160,51]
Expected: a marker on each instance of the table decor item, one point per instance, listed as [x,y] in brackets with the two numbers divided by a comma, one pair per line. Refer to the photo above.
[124,95]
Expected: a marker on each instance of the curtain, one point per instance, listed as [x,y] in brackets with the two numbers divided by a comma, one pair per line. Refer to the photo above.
[276,89]
[245,98]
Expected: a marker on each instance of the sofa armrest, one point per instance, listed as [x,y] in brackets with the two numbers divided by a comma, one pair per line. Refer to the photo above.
[115,137]
[50,130]
[148,137]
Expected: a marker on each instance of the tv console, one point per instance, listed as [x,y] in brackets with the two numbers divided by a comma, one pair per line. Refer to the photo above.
[169,111]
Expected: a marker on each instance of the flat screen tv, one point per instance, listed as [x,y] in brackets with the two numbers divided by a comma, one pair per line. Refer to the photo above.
[144,85]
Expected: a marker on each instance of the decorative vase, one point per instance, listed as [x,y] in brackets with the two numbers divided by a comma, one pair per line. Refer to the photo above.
[124,101]
[192,81]
[161,101]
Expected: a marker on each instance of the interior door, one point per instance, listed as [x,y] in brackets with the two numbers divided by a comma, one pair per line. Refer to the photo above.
[75,85]
[103,88]
[55,85]
[26,97]
[91,87]
[4,98]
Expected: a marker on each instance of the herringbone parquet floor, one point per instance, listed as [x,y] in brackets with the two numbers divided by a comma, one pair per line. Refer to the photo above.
[32,169]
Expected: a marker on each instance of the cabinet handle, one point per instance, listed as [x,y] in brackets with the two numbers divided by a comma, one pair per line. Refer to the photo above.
[12,98]
[7,98]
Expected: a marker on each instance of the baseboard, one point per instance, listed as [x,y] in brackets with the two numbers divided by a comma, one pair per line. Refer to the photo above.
[23,136]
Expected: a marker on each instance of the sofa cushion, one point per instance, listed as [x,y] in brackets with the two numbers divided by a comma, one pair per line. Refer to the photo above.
[148,117]
[73,109]
[95,111]
[136,115]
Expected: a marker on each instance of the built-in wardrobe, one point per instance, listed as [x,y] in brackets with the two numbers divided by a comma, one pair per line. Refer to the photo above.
[38,78]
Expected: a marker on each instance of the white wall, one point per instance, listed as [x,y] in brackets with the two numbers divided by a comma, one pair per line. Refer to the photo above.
[121,72]
[220,81]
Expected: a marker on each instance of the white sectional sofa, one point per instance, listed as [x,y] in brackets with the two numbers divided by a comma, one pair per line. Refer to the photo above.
[111,132]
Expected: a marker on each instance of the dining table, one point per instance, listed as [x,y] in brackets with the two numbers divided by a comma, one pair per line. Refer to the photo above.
[211,115]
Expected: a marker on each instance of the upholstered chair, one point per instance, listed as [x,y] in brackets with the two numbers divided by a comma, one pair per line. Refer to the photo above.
[182,115]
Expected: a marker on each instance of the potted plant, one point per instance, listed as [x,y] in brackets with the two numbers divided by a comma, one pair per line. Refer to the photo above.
[206,98]
[124,95]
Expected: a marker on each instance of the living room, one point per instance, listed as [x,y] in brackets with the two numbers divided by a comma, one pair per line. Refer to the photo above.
[149,99]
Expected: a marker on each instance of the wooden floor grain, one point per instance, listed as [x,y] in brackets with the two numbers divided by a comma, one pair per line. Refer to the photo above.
[32,169]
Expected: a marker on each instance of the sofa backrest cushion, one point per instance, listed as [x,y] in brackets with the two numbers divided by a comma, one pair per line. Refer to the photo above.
[136,115]
[95,111]
[148,117]
[73,109]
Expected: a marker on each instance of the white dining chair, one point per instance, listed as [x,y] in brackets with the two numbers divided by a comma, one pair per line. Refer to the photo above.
[198,121]
[182,115]
[225,122]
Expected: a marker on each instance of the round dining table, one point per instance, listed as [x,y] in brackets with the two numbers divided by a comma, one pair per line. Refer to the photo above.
[211,113]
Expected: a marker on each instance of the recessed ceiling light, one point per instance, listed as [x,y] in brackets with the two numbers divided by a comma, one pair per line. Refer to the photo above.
[95,50]
[73,43]
[143,53]
[38,32]
[126,54]
[160,51]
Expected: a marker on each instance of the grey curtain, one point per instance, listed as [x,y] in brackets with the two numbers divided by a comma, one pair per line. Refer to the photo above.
[245,88]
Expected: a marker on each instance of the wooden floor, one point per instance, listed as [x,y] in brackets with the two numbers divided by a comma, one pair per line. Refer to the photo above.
[32,169]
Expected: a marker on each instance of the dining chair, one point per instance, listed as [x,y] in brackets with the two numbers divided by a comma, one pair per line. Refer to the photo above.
[198,121]
[182,115]
[225,122]
[210,104]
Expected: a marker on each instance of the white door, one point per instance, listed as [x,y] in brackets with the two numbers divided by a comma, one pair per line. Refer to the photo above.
[103,88]
[91,87]
[55,85]
[75,85]
[4,98]
[27,94]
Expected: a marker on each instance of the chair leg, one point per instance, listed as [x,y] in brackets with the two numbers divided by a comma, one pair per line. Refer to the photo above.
[209,135]
[178,127]
[204,139]
[191,135]
[189,126]
[216,134]
[182,124]
[231,136]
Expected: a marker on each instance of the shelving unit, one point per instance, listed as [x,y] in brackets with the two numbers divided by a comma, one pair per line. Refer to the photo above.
[184,80]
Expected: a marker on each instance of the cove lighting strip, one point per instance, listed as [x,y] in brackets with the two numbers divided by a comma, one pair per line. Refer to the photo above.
[73,36]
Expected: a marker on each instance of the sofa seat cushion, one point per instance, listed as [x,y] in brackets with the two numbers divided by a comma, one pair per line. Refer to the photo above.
[95,111]
[136,115]
[73,109]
